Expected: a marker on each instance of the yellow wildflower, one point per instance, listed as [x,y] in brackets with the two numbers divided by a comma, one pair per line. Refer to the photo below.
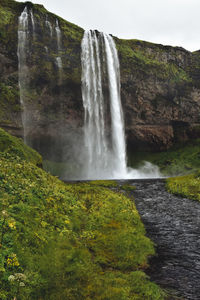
[12,260]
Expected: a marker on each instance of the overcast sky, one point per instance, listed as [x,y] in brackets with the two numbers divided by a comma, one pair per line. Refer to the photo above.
[169,22]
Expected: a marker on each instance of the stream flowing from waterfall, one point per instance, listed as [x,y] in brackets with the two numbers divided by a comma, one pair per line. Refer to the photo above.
[104,136]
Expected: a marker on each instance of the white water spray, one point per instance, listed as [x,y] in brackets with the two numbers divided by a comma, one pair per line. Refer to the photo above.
[105,156]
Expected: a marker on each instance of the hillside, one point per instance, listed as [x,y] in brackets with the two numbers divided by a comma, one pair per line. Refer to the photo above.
[74,241]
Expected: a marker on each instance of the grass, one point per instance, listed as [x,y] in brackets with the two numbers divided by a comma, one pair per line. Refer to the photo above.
[185,186]
[67,241]
[15,146]
[128,187]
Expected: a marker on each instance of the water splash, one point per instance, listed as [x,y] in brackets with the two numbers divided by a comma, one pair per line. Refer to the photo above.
[105,147]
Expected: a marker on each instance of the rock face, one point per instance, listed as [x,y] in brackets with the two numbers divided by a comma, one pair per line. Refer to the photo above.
[160,93]
[160,87]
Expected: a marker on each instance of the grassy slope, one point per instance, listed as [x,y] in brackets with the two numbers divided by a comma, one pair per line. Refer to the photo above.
[185,186]
[15,147]
[75,241]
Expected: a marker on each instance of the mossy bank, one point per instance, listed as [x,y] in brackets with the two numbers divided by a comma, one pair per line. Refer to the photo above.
[68,241]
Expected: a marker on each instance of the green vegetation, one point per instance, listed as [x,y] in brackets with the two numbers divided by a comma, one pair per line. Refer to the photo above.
[147,58]
[104,183]
[128,187]
[185,186]
[14,146]
[5,16]
[74,241]
[181,159]
[9,96]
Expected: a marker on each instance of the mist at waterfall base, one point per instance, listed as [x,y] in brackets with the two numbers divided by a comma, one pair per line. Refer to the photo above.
[98,149]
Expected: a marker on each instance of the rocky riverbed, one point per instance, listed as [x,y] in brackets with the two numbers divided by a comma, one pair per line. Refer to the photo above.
[173,223]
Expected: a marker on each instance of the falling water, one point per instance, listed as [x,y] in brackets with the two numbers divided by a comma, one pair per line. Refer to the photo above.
[26,32]
[117,121]
[106,157]
[105,146]
[23,23]
[58,58]
[58,34]
[33,23]
[49,26]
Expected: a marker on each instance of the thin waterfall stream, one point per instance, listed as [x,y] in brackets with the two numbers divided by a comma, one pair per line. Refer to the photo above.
[23,32]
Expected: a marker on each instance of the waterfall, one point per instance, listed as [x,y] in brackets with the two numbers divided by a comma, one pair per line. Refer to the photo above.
[26,33]
[49,26]
[58,34]
[118,136]
[104,137]
[33,23]
[105,153]
[23,33]
[58,58]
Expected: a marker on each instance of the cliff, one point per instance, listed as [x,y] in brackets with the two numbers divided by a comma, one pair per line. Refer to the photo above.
[160,87]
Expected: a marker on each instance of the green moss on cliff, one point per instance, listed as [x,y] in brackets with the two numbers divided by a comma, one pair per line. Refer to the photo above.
[8,23]
[140,58]
[8,96]
[5,17]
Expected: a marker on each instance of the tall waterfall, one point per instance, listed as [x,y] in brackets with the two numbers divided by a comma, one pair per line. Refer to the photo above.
[105,151]
[104,137]
[23,32]
[26,33]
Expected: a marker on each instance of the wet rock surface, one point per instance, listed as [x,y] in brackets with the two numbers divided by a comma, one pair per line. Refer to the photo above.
[173,223]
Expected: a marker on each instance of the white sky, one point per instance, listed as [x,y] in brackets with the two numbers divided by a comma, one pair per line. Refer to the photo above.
[169,22]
